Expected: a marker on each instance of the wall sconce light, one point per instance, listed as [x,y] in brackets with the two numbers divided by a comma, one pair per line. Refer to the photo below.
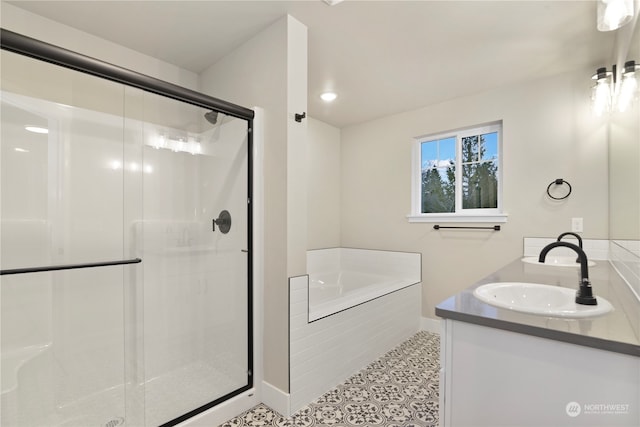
[606,94]
[602,92]
[628,86]
[613,14]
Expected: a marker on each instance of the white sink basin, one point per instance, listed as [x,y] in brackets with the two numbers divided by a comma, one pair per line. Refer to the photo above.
[557,261]
[543,300]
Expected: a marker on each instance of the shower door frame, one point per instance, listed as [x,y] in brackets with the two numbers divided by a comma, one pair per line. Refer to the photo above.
[37,49]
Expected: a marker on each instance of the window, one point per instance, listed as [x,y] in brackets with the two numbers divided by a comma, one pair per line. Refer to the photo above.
[457,176]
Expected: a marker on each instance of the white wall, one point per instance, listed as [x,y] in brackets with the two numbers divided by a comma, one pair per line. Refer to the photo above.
[269,71]
[29,24]
[297,147]
[323,183]
[549,133]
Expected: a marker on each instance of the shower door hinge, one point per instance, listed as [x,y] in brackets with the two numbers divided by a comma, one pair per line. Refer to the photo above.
[249,372]
[249,200]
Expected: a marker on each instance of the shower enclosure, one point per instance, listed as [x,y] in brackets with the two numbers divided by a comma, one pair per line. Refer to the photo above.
[125,244]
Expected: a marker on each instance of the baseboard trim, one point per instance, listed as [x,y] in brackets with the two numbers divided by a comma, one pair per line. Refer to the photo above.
[276,399]
[430,325]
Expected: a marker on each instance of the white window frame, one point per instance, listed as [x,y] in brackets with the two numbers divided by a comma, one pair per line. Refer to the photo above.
[460,215]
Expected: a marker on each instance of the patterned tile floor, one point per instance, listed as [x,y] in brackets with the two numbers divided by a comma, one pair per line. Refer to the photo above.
[398,389]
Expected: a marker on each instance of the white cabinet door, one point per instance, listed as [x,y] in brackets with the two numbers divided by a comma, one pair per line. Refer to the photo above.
[499,378]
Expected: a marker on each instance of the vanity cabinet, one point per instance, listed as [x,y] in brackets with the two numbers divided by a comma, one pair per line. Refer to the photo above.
[494,377]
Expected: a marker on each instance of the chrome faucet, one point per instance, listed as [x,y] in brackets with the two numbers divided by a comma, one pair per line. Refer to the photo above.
[584,295]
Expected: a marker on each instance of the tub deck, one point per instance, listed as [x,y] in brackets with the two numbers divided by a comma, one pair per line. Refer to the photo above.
[331,293]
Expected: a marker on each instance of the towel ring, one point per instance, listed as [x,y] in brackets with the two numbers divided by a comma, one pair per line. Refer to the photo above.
[558,181]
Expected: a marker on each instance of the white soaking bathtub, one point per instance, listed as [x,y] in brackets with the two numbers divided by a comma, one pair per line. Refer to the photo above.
[351,307]
[340,278]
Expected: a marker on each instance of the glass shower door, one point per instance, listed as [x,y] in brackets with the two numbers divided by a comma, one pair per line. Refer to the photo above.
[62,206]
[125,249]
[194,235]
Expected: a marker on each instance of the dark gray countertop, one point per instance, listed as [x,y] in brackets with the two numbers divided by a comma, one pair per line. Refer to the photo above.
[617,331]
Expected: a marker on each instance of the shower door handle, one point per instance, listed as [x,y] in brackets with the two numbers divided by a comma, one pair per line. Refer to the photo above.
[68,266]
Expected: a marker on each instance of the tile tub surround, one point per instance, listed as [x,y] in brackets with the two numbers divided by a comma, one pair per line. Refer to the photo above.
[594,248]
[325,352]
[401,388]
[616,331]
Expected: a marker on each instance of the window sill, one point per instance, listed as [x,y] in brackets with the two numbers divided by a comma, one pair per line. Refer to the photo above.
[499,218]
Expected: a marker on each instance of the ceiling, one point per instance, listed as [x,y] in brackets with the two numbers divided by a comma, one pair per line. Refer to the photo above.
[381,57]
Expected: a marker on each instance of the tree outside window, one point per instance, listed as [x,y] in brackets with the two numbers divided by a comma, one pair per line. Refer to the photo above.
[460,171]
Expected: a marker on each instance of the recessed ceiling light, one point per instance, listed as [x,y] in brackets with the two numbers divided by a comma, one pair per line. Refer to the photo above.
[36,129]
[20,150]
[332,2]
[328,96]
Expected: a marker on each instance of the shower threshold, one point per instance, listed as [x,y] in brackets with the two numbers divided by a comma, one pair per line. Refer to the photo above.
[164,398]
